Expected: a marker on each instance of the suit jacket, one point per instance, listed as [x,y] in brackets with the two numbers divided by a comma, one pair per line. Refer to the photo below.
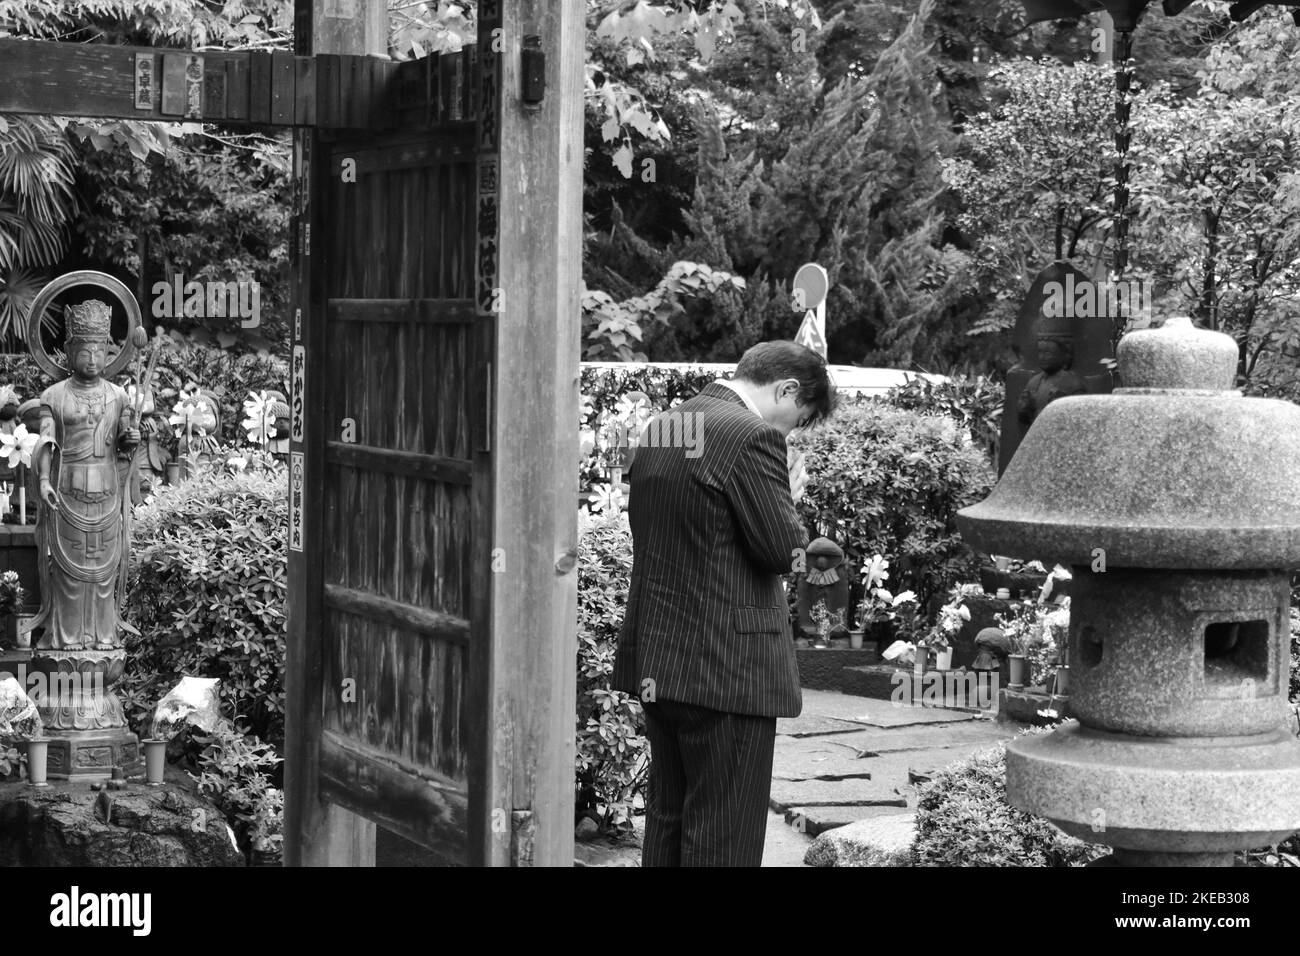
[713,529]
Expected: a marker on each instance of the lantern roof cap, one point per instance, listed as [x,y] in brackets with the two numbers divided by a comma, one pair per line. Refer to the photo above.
[1175,470]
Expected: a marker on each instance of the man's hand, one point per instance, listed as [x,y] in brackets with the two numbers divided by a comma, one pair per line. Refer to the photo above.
[130,438]
[798,475]
[47,493]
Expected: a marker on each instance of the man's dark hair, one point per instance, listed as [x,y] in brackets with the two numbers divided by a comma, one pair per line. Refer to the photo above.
[769,362]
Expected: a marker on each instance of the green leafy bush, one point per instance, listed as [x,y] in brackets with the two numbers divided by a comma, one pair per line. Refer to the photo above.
[963,819]
[611,749]
[230,375]
[890,482]
[974,403]
[603,388]
[237,770]
[207,593]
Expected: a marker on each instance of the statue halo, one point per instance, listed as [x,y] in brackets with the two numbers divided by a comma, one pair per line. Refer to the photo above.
[61,284]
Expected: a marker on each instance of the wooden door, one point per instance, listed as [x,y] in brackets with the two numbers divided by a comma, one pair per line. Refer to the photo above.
[434,450]
[404,392]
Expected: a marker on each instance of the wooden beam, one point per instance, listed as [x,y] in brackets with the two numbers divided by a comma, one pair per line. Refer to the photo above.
[455,471]
[406,799]
[374,607]
[537,186]
[256,87]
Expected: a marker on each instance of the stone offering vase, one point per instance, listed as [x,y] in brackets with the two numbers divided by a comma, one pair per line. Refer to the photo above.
[1176,500]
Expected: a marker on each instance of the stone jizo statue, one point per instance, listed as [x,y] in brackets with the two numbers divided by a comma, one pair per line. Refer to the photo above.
[1055,380]
[825,582]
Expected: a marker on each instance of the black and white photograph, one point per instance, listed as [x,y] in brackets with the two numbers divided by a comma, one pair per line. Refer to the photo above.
[628,434]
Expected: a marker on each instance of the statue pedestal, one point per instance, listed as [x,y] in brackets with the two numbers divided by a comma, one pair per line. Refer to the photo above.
[73,689]
[91,755]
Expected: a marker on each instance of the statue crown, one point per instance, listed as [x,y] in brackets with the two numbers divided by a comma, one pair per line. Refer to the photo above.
[88,322]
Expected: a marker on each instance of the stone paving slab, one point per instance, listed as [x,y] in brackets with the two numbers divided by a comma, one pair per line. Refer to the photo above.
[812,793]
[813,821]
[813,725]
[881,740]
[828,712]
[818,758]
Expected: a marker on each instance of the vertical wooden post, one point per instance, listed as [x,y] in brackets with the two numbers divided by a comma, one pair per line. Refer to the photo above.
[316,833]
[533,394]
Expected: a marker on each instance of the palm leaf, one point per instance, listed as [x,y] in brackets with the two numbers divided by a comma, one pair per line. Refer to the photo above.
[18,287]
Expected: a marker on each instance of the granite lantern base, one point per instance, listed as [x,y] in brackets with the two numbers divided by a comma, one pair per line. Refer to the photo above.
[1182,740]
[83,717]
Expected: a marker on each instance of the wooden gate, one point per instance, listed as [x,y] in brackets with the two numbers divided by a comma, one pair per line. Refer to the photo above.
[436,251]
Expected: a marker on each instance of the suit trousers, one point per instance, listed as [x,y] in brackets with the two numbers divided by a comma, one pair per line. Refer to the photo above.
[710,780]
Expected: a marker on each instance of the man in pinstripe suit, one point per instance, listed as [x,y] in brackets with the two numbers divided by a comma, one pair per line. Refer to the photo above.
[706,641]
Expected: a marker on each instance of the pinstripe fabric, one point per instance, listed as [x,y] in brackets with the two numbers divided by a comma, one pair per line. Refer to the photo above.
[707,621]
[706,641]
[706,804]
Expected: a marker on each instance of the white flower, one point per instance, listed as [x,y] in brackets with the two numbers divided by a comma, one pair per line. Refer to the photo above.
[17,448]
[238,463]
[606,498]
[874,572]
[260,421]
[903,598]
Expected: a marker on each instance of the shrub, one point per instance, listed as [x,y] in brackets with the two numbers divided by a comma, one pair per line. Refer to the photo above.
[231,376]
[974,403]
[603,388]
[963,819]
[237,770]
[207,593]
[887,481]
[611,749]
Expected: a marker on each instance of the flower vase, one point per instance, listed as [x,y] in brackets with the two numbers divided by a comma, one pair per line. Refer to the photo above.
[173,472]
[1017,677]
[37,756]
[855,640]
[1062,687]
[943,659]
[918,667]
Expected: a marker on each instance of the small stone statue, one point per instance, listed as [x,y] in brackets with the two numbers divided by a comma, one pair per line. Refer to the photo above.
[1054,381]
[825,583]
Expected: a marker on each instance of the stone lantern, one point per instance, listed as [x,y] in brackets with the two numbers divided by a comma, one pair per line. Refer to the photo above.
[1176,500]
